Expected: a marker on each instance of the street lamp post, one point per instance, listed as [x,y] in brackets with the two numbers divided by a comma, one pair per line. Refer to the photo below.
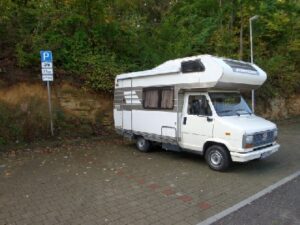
[251,52]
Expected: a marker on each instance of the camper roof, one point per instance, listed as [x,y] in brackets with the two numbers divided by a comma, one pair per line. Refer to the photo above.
[214,71]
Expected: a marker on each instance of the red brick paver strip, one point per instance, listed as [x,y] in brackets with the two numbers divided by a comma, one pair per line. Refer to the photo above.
[120,173]
[141,181]
[168,192]
[130,177]
[204,205]
[185,198]
[153,186]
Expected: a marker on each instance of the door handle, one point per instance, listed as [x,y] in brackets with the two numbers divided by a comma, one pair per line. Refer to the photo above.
[209,119]
[184,120]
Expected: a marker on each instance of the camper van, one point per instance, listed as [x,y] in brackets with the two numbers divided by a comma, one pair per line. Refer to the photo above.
[194,104]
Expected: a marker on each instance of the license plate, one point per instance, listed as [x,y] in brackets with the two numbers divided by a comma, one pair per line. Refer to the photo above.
[265,154]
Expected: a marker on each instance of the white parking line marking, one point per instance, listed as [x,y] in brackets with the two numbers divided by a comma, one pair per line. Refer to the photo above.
[241,204]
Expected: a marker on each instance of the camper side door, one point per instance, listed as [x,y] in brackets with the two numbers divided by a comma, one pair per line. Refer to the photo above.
[197,123]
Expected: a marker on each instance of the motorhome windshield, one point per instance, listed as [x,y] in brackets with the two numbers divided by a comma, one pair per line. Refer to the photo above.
[229,104]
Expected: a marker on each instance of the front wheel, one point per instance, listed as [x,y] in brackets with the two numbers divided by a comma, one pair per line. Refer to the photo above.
[142,144]
[217,157]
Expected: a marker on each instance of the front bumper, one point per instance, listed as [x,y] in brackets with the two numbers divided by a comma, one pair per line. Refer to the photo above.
[247,156]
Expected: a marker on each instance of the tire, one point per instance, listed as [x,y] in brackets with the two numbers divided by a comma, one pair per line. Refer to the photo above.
[218,158]
[142,144]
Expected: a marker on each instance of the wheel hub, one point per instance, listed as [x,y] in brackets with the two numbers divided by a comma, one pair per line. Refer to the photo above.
[141,143]
[216,158]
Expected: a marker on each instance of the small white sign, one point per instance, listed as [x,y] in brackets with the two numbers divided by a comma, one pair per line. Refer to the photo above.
[47,71]
[47,65]
[47,77]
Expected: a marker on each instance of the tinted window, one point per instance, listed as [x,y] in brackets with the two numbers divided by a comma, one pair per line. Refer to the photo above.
[198,105]
[192,66]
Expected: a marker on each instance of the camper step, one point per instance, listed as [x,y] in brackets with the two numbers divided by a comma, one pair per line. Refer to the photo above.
[171,147]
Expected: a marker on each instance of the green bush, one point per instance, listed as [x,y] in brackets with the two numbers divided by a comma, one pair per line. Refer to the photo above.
[100,72]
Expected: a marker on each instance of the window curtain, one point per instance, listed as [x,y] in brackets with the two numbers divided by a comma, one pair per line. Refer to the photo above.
[167,99]
[151,99]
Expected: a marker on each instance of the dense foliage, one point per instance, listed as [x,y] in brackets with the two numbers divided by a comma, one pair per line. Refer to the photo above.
[94,40]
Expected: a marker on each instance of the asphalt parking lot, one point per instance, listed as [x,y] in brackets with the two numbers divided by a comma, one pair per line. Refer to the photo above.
[109,182]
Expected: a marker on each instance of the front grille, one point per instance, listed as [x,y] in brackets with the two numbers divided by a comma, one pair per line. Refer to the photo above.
[263,138]
[262,147]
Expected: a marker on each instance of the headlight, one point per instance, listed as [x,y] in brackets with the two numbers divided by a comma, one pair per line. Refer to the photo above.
[275,134]
[248,141]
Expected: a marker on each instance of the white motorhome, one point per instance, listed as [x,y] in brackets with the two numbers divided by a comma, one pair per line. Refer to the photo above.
[194,104]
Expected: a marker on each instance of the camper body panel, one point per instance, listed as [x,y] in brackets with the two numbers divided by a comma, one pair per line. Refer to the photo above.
[132,119]
[157,125]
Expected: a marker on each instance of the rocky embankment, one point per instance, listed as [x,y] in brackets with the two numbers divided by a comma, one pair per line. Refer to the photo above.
[24,112]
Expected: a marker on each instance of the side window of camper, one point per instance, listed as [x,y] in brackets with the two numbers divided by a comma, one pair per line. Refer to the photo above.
[158,98]
[198,105]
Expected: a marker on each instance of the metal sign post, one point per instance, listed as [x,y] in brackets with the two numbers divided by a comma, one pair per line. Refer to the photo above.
[251,54]
[47,75]
[50,108]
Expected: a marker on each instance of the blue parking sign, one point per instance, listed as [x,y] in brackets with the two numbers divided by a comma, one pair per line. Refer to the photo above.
[46,56]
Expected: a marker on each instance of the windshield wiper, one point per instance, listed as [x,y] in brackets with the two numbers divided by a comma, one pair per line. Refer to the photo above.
[224,111]
[243,110]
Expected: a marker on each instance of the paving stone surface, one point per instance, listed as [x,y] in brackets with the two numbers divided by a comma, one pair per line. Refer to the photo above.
[110,182]
[280,207]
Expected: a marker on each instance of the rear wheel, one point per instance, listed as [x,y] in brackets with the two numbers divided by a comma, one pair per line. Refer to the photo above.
[142,144]
[217,157]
